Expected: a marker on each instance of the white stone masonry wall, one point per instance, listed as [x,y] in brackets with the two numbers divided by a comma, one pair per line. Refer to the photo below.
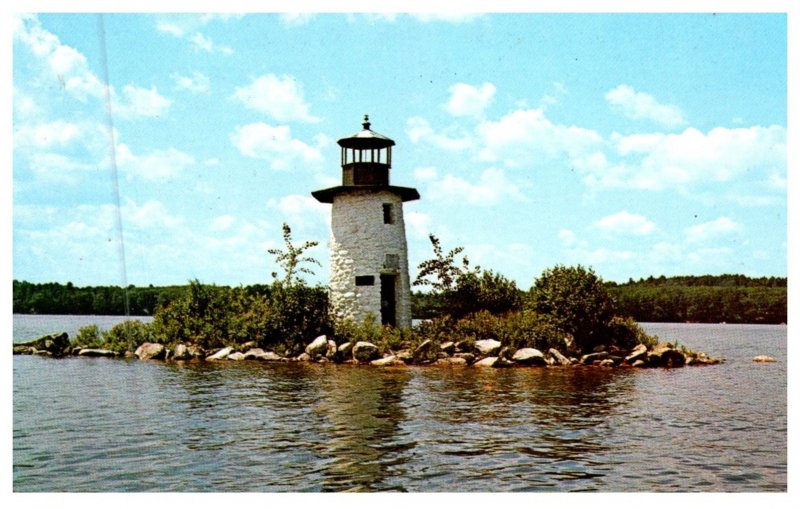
[359,243]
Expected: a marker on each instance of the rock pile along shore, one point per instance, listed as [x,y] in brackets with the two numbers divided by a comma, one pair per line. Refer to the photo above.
[483,353]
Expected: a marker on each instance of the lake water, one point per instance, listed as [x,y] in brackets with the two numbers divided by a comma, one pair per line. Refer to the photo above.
[83,424]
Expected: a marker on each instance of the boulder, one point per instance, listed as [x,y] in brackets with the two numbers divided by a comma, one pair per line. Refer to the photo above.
[488,362]
[269,356]
[332,350]
[345,349]
[469,357]
[390,360]
[364,351]
[664,354]
[453,361]
[639,363]
[463,346]
[181,352]
[56,344]
[589,358]
[424,351]
[253,353]
[23,350]
[606,363]
[639,352]
[487,347]
[151,351]
[220,354]
[303,357]
[405,355]
[529,357]
[235,356]
[764,358]
[558,358]
[96,352]
[318,347]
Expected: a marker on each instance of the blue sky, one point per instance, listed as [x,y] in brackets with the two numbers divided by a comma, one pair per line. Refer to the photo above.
[637,144]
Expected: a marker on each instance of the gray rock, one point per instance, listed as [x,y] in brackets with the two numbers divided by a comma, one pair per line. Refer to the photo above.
[639,352]
[664,354]
[424,351]
[23,350]
[529,357]
[764,358]
[488,347]
[332,350]
[235,356]
[345,349]
[469,357]
[639,363]
[390,360]
[269,356]
[151,351]
[253,353]
[181,352]
[220,354]
[595,356]
[364,351]
[448,347]
[452,361]
[318,347]
[462,346]
[488,362]
[558,358]
[607,363]
[405,356]
[96,352]
[56,344]
[303,357]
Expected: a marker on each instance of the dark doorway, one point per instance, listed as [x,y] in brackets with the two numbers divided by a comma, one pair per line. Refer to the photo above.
[388,300]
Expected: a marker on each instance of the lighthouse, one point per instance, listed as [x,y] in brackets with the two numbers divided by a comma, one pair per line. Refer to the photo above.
[368,251]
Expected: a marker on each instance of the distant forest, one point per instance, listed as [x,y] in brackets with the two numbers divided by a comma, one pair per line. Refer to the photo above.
[704,299]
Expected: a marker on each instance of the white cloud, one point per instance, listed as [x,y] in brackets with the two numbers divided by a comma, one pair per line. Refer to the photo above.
[419,130]
[222,223]
[55,168]
[46,135]
[150,215]
[141,102]
[447,16]
[425,174]
[492,187]
[276,145]
[58,61]
[469,101]
[280,97]
[526,136]
[205,43]
[197,82]
[711,230]
[625,223]
[157,165]
[567,237]
[641,106]
[295,19]
[419,223]
[659,161]
[301,211]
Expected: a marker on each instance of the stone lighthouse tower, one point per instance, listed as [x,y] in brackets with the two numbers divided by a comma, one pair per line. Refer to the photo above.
[368,253]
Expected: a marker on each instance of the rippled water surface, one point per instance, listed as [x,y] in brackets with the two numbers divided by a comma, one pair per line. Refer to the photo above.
[83,424]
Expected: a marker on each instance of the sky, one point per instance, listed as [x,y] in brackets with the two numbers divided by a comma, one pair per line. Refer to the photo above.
[634,144]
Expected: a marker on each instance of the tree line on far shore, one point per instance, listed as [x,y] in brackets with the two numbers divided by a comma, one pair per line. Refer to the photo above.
[702,299]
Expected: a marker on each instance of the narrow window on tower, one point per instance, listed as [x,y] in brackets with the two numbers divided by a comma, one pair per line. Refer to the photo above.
[387,214]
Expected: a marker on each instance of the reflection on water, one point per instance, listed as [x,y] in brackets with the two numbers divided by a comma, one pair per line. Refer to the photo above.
[113,425]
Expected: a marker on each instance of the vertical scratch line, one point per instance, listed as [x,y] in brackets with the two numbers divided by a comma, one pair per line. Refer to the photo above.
[113,157]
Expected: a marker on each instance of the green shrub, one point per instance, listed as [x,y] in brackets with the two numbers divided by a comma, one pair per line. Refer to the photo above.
[483,292]
[577,302]
[626,333]
[127,336]
[88,336]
